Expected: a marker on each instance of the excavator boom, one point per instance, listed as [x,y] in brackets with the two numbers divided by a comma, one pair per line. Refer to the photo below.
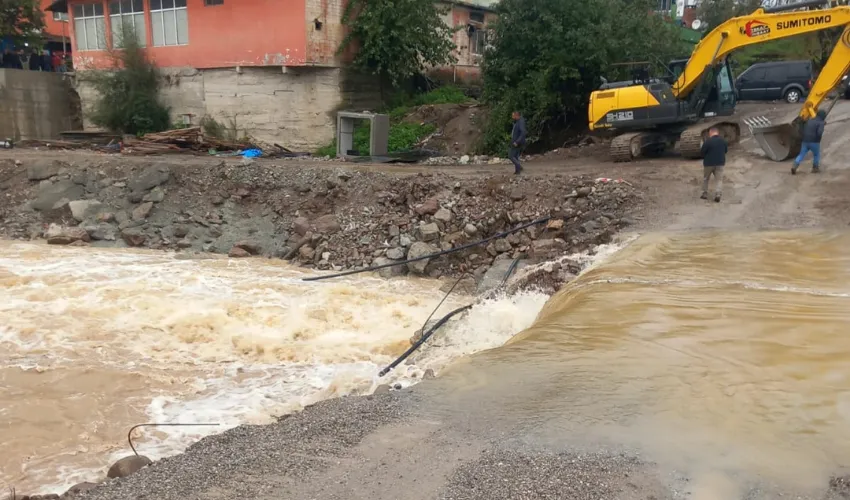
[755,28]
[784,141]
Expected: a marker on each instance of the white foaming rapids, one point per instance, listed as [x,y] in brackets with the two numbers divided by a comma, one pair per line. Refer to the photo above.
[123,337]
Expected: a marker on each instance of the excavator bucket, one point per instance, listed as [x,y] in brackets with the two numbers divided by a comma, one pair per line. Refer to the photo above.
[780,142]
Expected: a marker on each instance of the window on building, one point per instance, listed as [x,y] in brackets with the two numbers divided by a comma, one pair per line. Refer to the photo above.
[169,22]
[478,41]
[664,5]
[60,16]
[213,2]
[476,17]
[129,15]
[89,26]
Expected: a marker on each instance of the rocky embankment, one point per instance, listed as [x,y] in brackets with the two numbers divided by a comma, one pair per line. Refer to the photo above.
[326,217]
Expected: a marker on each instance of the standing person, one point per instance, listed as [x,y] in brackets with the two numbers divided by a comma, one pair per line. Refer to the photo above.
[34,61]
[714,151]
[518,136]
[812,134]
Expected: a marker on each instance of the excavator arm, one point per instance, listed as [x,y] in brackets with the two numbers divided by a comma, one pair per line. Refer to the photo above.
[759,27]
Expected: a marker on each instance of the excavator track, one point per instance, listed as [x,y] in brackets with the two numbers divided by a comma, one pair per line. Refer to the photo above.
[621,148]
[690,141]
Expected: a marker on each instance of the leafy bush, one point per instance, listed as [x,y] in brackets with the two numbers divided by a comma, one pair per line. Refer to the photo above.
[548,55]
[128,99]
[402,137]
[397,39]
[447,94]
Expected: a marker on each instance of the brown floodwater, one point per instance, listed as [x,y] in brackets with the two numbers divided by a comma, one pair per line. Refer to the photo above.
[94,341]
[725,356]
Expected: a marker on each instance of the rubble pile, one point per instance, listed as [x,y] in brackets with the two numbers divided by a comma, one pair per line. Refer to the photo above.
[321,217]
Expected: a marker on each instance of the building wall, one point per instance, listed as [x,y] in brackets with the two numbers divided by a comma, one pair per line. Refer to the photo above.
[468,66]
[296,109]
[52,26]
[34,105]
[237,33]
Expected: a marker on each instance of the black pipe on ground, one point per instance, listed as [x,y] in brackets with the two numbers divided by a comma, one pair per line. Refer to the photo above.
[442,321]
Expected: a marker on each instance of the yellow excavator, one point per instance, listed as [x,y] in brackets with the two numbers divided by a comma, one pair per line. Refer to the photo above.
[651,115]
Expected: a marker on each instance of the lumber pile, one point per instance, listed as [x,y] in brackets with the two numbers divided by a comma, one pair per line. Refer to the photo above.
[184,140]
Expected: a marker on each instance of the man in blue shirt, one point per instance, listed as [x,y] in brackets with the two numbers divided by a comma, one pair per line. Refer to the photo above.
[518,137]
[812,135]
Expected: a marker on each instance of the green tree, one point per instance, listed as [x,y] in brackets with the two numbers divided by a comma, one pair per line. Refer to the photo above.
[21,21]
[397,39]
[128,94]
[548,55]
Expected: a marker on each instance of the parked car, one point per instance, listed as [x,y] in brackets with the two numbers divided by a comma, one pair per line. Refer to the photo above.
[770,81]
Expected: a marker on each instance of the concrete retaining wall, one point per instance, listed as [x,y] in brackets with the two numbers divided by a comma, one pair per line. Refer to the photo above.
[34,105]
[296,108]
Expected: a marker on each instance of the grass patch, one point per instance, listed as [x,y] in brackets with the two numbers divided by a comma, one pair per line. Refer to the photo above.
[403,136]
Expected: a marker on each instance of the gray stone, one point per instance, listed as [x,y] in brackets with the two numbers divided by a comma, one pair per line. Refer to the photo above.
[128,466]
[395,253]
[590,226]
[51,194]
[417,250]
[394,231]
[122,217]
[83,209]
[444,215]
[142,211]
[388,272]
[79,488]
[405,240]
[58,235]
[149,178]
[428,207]
[429,232]
[39,170]
[495,275]
[584,192]
[251,247]
[102,232]
[155,196]
[470,229]
[133,237]
[301,226]
[502,245]
[327,224]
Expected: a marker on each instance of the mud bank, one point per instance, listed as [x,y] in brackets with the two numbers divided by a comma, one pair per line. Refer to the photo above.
[323,217]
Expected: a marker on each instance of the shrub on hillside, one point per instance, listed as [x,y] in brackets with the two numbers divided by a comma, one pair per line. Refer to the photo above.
[128,95]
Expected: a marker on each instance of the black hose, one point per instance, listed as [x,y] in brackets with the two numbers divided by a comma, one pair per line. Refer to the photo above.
[431,256]
[442,321]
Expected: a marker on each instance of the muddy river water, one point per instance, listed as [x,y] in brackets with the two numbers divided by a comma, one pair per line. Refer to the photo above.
[723,354]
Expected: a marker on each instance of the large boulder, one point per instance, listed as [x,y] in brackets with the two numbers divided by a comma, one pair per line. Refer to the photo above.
[417,250]
[388,272]
[128,466]
[52,196]
[134,237]
[79,489]
[38,170]
[142,211]
[327,224]
[149,178]
[428,207]
[301,226]
[83,209]
[429,232]
[59,235]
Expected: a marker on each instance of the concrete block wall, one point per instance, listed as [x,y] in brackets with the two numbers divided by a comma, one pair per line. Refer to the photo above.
[325,32]
[295,108]
[35,105]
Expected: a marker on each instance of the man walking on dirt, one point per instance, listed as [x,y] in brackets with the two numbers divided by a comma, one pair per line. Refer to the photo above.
[812,134]
[517,141]
[714,151]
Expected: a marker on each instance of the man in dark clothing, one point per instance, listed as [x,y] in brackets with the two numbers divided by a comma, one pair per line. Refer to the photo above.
[714,151]
[517,141]
[812,134]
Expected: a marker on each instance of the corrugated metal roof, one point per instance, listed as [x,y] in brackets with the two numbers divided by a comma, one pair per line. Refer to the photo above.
[481,4]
